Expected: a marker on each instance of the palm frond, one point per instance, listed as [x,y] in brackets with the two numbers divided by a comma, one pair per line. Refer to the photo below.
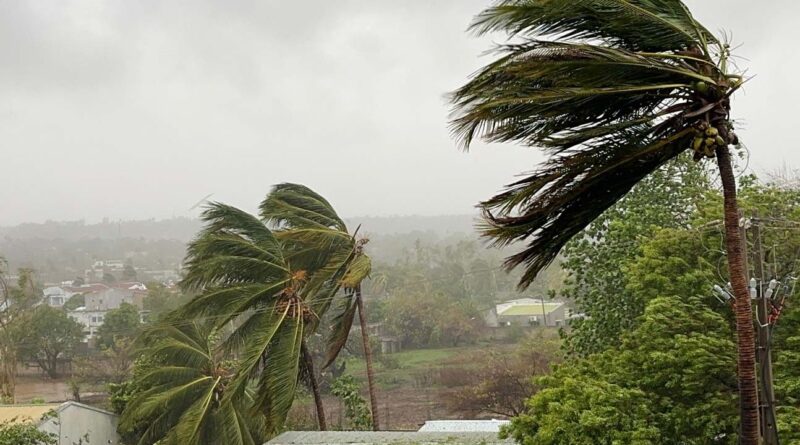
[358,271]
[642,25]
[612,89]
[294,205]
[342,323]
[278,381]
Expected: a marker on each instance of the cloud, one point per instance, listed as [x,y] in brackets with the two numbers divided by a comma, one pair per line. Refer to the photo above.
[136,109]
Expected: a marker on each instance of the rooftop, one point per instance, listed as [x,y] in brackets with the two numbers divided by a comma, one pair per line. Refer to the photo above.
[387,437]
[530,309]
[492,425]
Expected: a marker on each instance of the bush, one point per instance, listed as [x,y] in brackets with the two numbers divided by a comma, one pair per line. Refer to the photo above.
[389,362]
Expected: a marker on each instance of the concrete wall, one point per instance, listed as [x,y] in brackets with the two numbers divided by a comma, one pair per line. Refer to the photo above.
[76,422]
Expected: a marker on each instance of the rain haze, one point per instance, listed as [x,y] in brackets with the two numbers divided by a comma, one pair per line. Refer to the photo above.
[131,110]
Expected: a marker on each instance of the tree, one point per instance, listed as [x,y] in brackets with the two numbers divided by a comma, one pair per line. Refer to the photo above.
[671,381]
[435,319]
[244,278]
[596,259]
[161,300]
[74,302]
[129,272]
[505,382]
[109,278]
[613,90]
[13,432]
[49,337]
[182,397]
[309,225]
[119,324]
[356,410]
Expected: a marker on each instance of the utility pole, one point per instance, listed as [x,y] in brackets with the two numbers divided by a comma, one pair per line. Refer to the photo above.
[764,356]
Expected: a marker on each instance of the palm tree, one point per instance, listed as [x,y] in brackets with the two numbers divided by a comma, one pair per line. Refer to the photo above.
[183,401]
[316,235]
[612,89]
[245,281]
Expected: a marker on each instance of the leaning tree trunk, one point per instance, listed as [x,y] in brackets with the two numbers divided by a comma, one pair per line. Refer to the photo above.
[373,401]
[746,354]
[312,379]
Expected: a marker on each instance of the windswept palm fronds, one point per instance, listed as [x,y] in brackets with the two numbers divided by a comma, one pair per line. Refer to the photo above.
[611,89]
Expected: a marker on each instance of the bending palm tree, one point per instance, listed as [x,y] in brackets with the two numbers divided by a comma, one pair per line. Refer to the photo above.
[184,403]
[316,235]
[613,89]
[239,267]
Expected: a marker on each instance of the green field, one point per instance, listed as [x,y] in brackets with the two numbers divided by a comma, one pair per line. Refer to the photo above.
[416,366]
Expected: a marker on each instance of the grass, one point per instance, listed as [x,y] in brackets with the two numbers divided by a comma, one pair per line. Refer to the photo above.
[413,364]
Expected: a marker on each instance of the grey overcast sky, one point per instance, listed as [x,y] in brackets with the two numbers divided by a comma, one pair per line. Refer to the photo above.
[137,109]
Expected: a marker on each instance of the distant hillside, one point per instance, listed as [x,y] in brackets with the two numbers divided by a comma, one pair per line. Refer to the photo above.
[62,250]
[441,225]
[183,229]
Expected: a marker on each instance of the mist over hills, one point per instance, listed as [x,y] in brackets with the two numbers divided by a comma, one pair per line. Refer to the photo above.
[183,228]
[62,250]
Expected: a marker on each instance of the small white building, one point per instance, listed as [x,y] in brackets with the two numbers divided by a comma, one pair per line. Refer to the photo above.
[55,296]
[70,422]
[90,319]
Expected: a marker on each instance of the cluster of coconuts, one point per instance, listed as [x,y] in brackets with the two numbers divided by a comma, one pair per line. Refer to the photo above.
[706,140]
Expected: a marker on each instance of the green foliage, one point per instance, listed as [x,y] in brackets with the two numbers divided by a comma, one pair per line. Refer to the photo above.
[129,273]
[119,324]
[505,379]
[585,411]
[421,320]
[160,300]
[786,341]
[276,276]
[180,396]
[671,381]
[74,302]
[596,261]
[356,408]
[24,433]
[49,337]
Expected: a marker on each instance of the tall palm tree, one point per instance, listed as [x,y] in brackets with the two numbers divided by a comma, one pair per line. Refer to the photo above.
[183,401]
[245,281]
[316,235]
[612,89]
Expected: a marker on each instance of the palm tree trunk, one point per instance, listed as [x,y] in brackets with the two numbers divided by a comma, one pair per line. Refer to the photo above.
[312,378]
[746,354]
[373,401]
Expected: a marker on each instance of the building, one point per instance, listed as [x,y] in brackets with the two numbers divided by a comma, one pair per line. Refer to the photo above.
[527,312]
[91,321]
[97,304]
[56,296]
[388,437]
[70,422]
[113,297]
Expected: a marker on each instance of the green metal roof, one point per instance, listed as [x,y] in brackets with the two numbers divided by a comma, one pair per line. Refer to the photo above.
[529,309]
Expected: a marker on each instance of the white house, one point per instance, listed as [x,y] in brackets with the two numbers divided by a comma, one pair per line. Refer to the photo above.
[90,319]
[70,422]
[55,296]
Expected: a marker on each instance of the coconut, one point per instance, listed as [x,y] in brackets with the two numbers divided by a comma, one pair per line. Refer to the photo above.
[701,87]
[719,140]
[711,131]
